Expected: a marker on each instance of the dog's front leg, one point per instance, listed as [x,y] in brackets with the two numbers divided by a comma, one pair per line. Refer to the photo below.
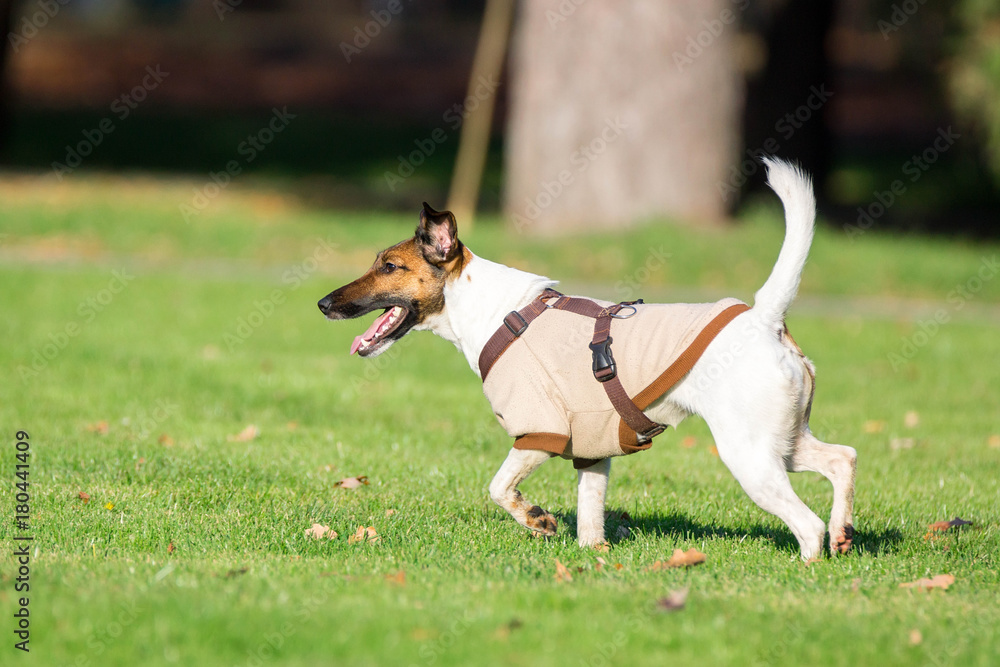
[592,486]
[503,490]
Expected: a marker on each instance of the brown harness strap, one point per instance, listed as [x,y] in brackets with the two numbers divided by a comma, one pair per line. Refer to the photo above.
[635,429]
[514,324]
[677,370]
[605,370]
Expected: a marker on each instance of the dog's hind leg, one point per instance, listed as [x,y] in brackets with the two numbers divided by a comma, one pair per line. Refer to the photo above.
[757,465]
[838,464]
[592,487]
[503,490]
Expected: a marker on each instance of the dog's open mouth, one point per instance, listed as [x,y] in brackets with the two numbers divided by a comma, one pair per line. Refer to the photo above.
[383,325]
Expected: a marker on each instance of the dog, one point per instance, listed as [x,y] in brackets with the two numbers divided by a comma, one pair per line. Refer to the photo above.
[751,383]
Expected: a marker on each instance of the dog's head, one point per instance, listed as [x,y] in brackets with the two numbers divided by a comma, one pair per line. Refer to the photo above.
[407,281]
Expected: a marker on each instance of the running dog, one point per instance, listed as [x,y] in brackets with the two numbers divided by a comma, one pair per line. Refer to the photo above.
[738,367]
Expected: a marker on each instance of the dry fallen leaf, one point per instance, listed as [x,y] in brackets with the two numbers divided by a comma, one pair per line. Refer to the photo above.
[994,441]
[317,531]
[941,526]
[911,419]
[562,574]
[674,601]
[166,440]
[84,496]
[915,637]
[363,534]
[171,548]
[679,559]
[398,578]
[246,435]
[352,482]
[389,513]
[689,441]
[713,450]
[945,525]
[856,584]
[600,564]
[941,581]
[100,428]
[874,426]
[291,426]
[603,548]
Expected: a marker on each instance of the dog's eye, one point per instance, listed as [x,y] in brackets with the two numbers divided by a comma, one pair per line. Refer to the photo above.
[389,267]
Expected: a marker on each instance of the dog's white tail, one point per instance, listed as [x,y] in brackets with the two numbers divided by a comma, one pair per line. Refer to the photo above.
[795,189]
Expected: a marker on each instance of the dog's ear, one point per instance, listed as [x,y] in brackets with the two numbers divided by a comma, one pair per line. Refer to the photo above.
[437,236]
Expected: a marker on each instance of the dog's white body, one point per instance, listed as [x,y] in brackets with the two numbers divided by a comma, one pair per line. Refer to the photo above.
[750,386]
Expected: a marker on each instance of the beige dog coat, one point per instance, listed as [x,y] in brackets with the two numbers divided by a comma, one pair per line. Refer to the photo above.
[544,393]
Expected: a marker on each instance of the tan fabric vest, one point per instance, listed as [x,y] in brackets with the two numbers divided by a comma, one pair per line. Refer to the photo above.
[544,393]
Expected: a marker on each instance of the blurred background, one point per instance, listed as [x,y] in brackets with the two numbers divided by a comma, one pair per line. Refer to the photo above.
[569,114]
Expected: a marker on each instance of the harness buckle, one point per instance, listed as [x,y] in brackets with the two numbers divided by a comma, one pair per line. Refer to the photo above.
[604,362]
[507,322]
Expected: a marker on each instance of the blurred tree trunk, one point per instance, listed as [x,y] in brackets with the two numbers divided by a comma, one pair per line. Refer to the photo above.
[621,111]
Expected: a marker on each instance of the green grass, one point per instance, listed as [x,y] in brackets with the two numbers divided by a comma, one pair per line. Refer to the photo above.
[243,585]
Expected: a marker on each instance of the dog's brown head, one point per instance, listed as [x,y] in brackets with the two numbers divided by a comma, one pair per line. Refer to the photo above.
[406,280]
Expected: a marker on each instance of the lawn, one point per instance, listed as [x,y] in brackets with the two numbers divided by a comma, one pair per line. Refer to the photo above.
[138,349]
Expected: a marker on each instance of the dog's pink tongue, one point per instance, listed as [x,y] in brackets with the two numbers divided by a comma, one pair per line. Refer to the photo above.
[368,335]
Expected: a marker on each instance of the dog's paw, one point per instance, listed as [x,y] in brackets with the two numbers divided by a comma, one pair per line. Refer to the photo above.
[841,542]
[540,521]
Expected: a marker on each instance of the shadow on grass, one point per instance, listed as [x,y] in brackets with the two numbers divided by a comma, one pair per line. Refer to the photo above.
[871,543]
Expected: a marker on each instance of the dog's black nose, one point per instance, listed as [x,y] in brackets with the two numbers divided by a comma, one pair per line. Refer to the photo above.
[325,304]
